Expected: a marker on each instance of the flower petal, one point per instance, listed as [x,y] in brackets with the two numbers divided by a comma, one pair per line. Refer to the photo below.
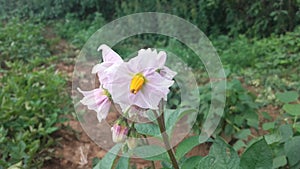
[110,61]
[119,84]
[109,55]
[96,100]
[155,89]
[167,73]
[103,110]
[148,58]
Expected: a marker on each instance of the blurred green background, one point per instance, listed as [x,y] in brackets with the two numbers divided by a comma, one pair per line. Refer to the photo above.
[258,42]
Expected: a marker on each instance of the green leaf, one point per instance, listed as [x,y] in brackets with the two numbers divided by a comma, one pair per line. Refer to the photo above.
[273,138]
[257,156]
[243,134]
[108,160]
[297,126]
[228,130]
[147,129]
[51,130]
[292,150]
[191,163]
[279,161]
[287,97]
[296,166]
[266,115]
[151,116]
[97,166]
[123,162]
[172,116]
[268,126]
[238,120]
[286,132]
[238,145]
[186,145]
[292,109]
[252,119]
[151,152]
[221,156]
[253,123]
[166,164]
[95,161]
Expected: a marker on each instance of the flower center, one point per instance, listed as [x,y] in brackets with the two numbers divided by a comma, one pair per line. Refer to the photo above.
[137,83]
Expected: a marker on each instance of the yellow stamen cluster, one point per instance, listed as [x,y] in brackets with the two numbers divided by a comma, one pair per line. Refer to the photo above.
[137,83]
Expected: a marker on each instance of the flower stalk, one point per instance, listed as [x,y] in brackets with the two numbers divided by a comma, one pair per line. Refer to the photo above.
[162,128]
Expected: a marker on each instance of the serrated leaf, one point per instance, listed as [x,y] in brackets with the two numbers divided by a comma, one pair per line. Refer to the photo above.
[186,145]
[292,150]
[221,156]
[257,156]
[287,97]
[151,152]
[108,160]
[292,109]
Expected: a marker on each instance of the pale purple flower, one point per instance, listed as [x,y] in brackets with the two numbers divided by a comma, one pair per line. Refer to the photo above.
[148,58]
[139,82]
[119,133]
[110,61]
[97,100]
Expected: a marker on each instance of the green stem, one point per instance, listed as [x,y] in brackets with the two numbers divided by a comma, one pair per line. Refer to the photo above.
[295,121]
[162,128]
[147,142]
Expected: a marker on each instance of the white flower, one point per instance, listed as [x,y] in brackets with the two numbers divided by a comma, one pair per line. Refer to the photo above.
[139,82]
